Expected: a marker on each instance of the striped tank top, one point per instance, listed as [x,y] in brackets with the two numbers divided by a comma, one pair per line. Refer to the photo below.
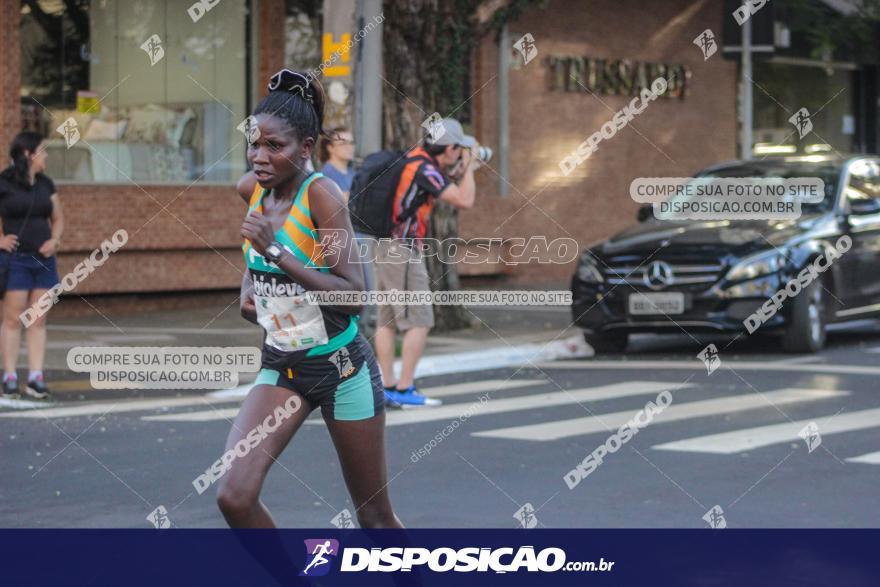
[299,236]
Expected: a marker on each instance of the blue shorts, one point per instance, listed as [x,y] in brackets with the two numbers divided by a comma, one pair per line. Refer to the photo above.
[31,271]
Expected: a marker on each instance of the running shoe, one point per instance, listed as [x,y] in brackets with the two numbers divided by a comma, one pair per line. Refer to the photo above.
[390,402]
[411,397]
[36,388]
[10,389]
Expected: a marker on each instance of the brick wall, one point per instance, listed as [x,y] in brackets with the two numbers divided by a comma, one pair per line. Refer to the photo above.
[10,72]
[674,138]
[193,244]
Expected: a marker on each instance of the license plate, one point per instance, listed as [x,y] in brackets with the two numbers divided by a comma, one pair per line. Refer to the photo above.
[643,304]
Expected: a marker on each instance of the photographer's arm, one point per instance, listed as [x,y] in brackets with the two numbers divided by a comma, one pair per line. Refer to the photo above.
[462,194]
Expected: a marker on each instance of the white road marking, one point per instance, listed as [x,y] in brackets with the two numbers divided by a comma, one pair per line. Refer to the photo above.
[750,438]
[490,385]
[19,404]
[872,458]
[691,365]
[471,408]
[555,430]
[137,405]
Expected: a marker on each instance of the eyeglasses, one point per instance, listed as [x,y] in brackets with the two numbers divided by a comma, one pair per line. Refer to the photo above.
[291,81]
[340,141]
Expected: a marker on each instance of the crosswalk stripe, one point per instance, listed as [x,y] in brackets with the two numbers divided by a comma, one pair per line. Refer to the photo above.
[476,407]
[114,407]
[692,365]
[491,385]
[528,402]
[748,438]
[872,458]
[611,422]
[202,416]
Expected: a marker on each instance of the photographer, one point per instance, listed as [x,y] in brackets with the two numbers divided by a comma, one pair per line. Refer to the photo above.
[442,167]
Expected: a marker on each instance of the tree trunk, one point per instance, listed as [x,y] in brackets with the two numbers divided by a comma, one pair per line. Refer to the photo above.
[416,33]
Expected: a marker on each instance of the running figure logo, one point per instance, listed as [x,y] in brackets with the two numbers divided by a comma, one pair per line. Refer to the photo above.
[331,243]
[153,47]
[249,127]
[801,121]
[433,126]
[715,518]
[526,516]
[70,131]
[343,520]
[710,358]
[810,435]
[526,47]
[159,518]
[317,552]
[706,42]
[342,360]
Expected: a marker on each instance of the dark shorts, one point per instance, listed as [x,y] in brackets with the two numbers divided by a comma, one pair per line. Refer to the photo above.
[31,271]
[346,384]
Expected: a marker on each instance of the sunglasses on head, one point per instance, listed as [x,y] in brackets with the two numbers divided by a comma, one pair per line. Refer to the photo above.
[291,81]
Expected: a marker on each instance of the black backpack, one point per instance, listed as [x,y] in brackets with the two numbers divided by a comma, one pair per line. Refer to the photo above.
[371,199]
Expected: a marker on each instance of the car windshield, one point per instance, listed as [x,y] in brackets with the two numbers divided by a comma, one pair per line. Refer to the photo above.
[828,172]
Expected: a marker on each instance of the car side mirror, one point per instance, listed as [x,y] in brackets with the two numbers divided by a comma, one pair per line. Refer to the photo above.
[864,206]
[645,212]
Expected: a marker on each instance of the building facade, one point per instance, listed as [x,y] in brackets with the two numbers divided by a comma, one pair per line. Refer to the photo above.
[154,92]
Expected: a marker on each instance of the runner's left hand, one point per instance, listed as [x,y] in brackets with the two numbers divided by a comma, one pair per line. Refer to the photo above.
[258,230]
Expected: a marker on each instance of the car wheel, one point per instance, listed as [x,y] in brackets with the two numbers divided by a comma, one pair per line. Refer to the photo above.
[806,331]
[608,342]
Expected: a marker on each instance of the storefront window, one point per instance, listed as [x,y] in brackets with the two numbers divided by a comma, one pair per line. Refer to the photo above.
[147,91]
[782,89]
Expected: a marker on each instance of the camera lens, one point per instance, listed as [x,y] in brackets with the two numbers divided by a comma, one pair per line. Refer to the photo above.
[484,154]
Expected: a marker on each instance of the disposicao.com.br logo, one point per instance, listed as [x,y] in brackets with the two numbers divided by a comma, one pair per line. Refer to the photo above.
[442,560]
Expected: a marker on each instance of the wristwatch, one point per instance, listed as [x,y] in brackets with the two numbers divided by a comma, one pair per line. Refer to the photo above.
[274,252]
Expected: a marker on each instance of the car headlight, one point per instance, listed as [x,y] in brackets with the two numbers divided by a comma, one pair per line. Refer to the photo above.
[587,271]
[766,263]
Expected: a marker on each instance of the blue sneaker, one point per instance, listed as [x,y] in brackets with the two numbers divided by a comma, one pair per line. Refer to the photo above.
[390,402]
[410,397]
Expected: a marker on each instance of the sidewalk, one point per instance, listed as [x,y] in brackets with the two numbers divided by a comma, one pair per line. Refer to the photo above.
[499,336]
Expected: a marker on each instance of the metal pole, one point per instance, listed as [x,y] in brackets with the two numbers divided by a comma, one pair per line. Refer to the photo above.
[368,80]
[503,110]
[746,95]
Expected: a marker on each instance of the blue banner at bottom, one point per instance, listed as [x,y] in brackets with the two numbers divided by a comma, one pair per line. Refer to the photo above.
[439,557]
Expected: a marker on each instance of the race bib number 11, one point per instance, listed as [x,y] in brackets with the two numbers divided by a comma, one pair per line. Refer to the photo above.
[291,323]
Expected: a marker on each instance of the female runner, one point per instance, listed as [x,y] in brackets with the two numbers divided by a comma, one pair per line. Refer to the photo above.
[313,352]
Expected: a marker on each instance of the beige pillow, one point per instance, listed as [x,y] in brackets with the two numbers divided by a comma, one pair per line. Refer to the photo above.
[101,130]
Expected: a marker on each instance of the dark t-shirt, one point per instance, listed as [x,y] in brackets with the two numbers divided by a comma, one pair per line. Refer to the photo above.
[15,199]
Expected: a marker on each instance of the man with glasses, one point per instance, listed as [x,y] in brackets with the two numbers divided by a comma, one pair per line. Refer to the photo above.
[439,168]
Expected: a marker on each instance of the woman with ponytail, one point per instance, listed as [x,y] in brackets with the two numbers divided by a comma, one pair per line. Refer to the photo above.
[32,224]
[312,355]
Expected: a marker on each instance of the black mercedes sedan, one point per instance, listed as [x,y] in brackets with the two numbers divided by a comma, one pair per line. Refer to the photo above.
[783,277]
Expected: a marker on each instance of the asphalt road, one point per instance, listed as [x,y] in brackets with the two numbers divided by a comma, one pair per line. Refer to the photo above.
[114,464]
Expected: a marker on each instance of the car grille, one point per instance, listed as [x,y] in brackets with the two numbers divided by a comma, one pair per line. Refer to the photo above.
[683,274]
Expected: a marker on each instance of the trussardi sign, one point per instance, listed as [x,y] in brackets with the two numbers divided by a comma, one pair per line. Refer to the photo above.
[621,77]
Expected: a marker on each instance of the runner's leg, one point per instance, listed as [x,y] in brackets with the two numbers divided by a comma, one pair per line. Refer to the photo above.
[360,445]
[239,491]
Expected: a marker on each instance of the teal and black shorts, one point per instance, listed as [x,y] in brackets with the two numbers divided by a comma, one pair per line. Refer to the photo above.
[345,383]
